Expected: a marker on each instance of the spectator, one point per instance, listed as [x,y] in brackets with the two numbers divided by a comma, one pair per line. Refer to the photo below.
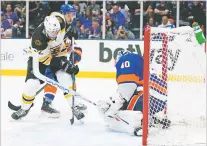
[125,11]
[151,22]
[166,23]
[93,5]
[123,34]
[83,6]
[160,10]
[80,29]
[5,25]
[8,33]
[117,17]
[77,8]
[87,19]
[148,9]
[95,30]
[13,19]
[197,13]
[38,11]
[20,10]
[11,16]
[109,29]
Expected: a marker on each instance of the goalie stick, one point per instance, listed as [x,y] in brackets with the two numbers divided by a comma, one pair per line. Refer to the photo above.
[16,108]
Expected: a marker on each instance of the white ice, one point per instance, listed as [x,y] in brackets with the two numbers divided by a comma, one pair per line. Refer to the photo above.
[37,130]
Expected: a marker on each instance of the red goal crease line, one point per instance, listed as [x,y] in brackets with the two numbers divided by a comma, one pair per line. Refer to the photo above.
[93,74]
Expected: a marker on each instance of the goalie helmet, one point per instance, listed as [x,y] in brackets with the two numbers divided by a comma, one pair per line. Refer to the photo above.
[120,54]
[52,26]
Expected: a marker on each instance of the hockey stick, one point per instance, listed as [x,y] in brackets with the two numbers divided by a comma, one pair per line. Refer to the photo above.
[16,108]
[116,116]
[46,79]
[73,86]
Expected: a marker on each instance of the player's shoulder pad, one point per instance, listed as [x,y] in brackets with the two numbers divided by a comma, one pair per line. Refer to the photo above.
[39,40]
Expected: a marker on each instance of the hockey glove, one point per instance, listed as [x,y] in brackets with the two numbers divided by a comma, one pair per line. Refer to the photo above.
[103,106]
[70,69]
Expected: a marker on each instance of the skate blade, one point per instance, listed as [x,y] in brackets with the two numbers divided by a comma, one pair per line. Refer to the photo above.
[48,115]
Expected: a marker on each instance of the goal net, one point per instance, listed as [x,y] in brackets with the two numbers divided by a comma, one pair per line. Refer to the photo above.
[174,111]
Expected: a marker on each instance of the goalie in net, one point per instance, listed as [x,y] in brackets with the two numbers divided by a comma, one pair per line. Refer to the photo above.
[123,112]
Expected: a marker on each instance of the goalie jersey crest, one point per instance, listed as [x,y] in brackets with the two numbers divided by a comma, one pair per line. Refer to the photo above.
[129,69]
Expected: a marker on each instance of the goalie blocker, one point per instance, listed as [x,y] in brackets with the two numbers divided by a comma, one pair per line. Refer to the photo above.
[127,104]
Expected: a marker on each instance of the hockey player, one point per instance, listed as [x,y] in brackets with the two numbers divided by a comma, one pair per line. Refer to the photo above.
[67,16]
[49,41]
[123,112]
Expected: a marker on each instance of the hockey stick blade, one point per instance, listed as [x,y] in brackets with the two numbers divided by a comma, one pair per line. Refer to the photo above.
[72,121]
[14,107]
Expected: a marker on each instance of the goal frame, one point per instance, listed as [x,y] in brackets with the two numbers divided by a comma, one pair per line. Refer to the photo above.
[147,40]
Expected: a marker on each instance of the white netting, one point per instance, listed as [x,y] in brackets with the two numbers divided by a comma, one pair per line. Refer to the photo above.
[177,88]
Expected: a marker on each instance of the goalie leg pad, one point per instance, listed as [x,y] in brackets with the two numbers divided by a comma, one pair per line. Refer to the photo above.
[123,94]
[136,102]
[132,117]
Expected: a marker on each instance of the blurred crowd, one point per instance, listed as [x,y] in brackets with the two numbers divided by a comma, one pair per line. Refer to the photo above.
[122,18]
[13,21]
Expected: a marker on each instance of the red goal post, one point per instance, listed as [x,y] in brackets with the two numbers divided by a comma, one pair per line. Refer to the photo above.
[169,56]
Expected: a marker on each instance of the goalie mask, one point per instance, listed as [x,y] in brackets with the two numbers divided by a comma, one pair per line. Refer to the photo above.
[120,54]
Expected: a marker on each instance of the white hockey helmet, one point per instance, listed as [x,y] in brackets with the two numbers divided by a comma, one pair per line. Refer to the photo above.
[52,26]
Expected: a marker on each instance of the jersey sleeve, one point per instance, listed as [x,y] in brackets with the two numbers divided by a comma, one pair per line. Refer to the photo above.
[39,40]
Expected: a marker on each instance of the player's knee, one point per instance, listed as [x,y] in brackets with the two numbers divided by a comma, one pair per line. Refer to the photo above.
[126,90]
[64,78]
[31,87]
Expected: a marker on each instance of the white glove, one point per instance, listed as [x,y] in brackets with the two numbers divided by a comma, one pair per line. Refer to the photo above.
[103,106]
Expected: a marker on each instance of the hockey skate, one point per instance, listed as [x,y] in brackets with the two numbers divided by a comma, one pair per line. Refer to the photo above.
[78,114]
[19,114]
[81,106]
[138,131]
[49,110]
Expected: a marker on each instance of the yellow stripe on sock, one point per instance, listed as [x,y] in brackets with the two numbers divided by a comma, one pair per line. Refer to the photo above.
[28,97]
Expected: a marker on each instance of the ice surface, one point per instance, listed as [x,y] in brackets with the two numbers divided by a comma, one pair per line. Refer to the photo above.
[37,130]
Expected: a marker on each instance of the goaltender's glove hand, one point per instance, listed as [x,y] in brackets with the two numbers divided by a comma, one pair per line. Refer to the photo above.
[103,106]
[70,68]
